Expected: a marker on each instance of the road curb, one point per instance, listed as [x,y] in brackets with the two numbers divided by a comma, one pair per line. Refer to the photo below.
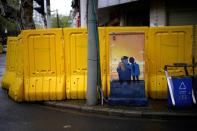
[122,112]
[176,115]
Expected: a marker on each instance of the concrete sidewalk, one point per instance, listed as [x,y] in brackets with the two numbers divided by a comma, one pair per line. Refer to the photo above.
[155,109]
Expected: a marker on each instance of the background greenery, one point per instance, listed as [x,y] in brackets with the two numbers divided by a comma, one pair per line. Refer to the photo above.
[64,21]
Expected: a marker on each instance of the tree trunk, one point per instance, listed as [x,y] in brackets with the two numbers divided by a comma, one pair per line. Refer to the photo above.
[26,8]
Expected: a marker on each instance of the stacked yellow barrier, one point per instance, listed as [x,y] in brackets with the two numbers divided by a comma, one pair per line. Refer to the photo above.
[52,64]
[16,89]
[76,62]
[9,75]
[44,75]
[76,59]
[166,46]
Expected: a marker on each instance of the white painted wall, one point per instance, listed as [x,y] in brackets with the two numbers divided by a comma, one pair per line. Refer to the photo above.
[83,13]
[157,13]
[107,3]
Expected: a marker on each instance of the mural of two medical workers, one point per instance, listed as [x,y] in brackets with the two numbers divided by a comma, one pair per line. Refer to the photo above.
[127,57]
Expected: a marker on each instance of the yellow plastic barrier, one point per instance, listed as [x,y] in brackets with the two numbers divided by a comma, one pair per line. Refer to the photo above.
[166,45]
[9,75]
[44,76]
[52,64]
[76,62]
[17,87]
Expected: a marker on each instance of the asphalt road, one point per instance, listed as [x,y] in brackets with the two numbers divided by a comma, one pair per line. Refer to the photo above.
[37,117]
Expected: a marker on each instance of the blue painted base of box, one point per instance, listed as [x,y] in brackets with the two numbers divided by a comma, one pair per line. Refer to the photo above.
[127,93]
[128,101]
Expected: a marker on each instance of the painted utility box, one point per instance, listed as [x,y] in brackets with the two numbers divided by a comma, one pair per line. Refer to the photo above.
[127,68]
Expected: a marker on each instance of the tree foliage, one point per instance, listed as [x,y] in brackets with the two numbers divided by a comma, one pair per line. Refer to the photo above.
[64,21]
[8,22]
[19,11]
[9,25]
[13,3]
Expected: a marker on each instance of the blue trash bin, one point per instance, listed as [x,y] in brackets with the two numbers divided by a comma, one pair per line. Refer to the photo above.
[182,92]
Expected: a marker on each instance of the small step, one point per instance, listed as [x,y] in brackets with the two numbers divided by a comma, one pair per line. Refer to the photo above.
[127,93]
[128,101]
[127,90]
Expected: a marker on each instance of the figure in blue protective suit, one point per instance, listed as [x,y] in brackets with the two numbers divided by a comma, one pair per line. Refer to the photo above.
[124,71]
[135,70]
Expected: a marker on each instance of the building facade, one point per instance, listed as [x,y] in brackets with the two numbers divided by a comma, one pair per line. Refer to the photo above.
[141,12]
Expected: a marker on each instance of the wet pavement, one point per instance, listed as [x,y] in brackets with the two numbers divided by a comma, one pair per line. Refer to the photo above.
[37,117]
[2,64]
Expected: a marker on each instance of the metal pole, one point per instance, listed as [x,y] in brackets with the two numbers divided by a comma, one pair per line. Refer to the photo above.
[83,13]
[99,80]
[48,12]
[58,24]
[193,46]
[92,54]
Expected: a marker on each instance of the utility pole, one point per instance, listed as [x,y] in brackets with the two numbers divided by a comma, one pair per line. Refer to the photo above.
[26,8]
[94,78]
[83,13]
[48,13]
[193,46]
[58,24]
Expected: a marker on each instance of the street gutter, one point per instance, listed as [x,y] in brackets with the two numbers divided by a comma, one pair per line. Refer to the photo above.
[123,112]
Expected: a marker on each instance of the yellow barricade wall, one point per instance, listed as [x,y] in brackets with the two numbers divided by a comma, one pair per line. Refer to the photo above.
[44,76]
[16,90]
[52,64]
[166,45]
[76,62]
[9,75]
